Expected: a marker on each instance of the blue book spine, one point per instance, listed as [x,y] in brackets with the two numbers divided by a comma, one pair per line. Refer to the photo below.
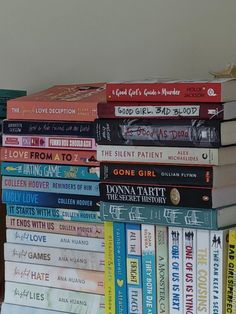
[134,269]
[149,269]
[120,268]
[50,199]
[53,213]
[51,185]
[50,171]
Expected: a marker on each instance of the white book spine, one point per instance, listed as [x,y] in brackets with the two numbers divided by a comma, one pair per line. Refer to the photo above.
[189,270]
[7,308]
[176,270]
[54,240]
[149,154]
[53,299]
[203,271]
[218,270]
[57,277]
[54,256]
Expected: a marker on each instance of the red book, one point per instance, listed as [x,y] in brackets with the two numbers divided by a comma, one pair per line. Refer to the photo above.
[61,102]
[217,90]
[167,110]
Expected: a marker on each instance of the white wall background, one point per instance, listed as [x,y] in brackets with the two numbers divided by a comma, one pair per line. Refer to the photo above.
[47,42]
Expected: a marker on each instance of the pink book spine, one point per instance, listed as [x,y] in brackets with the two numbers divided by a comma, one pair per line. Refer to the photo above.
[95,230]
[56,142]
[58,277]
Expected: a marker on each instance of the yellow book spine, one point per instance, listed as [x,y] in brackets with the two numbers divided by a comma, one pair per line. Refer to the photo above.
[231,275]
[109,269]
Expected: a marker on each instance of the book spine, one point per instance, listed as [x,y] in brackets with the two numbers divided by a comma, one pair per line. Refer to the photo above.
[53,299]
[149,269]
[34,155]
[7,308]
[52,185]
[168,110]
[3,111]
[189,271]
[166,155]
[61,111]
[30,198]
[231,274]
[57,277]
[82,129]
[121,306]
[161,91]
[156,174]
[218,260]
[54,240]
[81,229]
[162,269]
[60,257]
[134,269]
[7,94]
[159,215]
[203,271]
[176,270]
[149,132]
[50,171]
[109,269]
[51,142]
[53,213]
[157,195]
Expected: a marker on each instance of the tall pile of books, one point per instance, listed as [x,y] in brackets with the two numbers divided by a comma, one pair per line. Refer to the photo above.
[5,95]
[168,192]
[54,250]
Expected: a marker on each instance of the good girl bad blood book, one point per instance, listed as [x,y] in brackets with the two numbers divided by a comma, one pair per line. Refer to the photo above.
[76,102]
[217,90]
[167,110]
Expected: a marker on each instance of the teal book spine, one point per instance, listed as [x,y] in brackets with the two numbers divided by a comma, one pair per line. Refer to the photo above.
[160,215]
[53,213]
[50,171]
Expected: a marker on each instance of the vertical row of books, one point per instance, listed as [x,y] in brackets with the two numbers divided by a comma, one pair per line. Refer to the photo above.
[168,196]
[5,95]
[54,250]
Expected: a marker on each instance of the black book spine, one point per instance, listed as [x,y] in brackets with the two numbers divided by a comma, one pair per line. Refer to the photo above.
[156,195]
[156,174]
[150,132]
[82,129]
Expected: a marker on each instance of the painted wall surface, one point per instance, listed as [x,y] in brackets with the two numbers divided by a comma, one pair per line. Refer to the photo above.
[47,42]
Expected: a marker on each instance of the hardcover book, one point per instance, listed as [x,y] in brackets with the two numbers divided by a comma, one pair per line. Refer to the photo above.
[188,217]
[213,176]
[150,132]
[170,90]
[167,110]
[184,196]
[61,103]
[167,155]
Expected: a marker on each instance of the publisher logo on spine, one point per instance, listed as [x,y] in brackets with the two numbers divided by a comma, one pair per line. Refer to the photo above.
[211,92]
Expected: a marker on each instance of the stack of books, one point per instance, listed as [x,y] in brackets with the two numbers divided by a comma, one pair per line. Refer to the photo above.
[54,250]
[168,185]
[5,95]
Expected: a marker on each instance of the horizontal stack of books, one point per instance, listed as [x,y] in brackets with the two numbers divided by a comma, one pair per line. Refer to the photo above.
[168,187]
[54,250]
